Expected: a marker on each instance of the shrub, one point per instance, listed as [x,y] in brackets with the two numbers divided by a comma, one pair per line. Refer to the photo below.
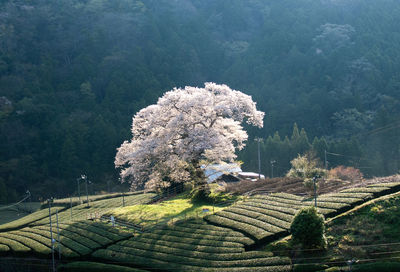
[346,173]
[308,228]
[200,194]
[305,167]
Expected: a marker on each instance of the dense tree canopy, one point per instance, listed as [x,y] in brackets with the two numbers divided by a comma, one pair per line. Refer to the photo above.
[73,72]
[186,126]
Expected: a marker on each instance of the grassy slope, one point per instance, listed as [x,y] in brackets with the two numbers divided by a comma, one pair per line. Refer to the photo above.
[372,232]
[176,208]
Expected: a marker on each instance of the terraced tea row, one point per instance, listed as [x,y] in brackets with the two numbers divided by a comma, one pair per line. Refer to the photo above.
[192,246]
[77,239]
[80,212]
[66,202]
[97,208]
[267,216]
[29,219]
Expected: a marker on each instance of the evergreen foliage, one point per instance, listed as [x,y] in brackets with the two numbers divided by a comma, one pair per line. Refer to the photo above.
[72,73]
[308,228]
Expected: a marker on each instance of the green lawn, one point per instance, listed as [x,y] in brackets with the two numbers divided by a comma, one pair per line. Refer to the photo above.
[179,207]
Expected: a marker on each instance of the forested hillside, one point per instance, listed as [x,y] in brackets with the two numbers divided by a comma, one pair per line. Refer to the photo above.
[74,72]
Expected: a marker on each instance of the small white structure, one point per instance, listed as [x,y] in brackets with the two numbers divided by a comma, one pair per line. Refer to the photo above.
[215,171]
[250,176]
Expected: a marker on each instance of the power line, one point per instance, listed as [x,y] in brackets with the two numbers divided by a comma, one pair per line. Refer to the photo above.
[9,206]
[341,155]
[392,125]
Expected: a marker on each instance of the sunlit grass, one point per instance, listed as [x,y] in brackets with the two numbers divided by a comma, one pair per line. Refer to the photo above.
[179,207]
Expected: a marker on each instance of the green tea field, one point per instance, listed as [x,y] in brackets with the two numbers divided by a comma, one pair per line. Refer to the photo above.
[230,239]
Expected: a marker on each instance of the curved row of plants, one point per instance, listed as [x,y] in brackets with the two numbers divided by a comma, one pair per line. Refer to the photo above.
[66,202]
[192,245]
[31,235]
[97,208]
[71,240]
[265,217]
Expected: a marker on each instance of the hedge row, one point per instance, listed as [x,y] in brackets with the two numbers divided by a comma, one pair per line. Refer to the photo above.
[193,253]
[65,241]
[254,231]
[200,224]
[66,252]
[348,200]
[98,240]
[259,216]
[387,184]
[194,230]
[201,236]
[288,196]
[4,248]
[81,212]
[104,230]
[186,246]
[37,244]
[104,227]
[14,245]
[172,266]
[75,200]
[284,210]
[279,200]
[205,242]
[32,244]
[259,222]
[186,260]
[276,200]
[265,202]
[29,219]
[363,196]
[366,190]
[64,232]
[266,211]
[326,205]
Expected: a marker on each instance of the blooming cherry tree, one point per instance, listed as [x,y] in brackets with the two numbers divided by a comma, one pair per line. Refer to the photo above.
[185,128]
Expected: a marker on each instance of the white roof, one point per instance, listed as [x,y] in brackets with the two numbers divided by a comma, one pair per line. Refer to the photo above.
[214,171]
[250,175]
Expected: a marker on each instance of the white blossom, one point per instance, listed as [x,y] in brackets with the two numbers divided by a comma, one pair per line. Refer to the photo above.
[186,126]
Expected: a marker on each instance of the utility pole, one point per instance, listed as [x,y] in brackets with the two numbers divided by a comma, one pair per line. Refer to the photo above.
[326,162]
[30,201]
[272,168]
[315,189]
[258,140]
[51,234]
[84,177]
[123,199]
[58,237]
[70,202]
[79,189]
